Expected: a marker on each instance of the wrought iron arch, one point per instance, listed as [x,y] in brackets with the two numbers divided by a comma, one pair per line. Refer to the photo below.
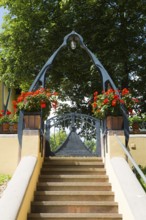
[106,79]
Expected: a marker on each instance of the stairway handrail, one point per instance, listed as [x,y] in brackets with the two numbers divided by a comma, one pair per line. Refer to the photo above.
[131,159]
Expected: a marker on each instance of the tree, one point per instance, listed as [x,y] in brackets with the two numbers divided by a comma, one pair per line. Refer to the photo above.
[57,139]
[113,30]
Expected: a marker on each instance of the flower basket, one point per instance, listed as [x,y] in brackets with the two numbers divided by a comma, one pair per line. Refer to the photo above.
[135,121]
[14,127]
[33,102]
[114,122]
[5,127]
[108,105]
[135,127]
[5,121]
[32,120]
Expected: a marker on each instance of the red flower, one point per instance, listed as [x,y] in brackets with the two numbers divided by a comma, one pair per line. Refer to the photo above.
[125,91]
[114,102]
[109,91]
[14,104]
[43,105]
[94,105]
[95,98]
[8,112]
[105,101]
[95,93]
[20,99]
[116,96]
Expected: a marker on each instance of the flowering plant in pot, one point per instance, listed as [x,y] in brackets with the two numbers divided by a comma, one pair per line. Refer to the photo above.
[36,101]
[135,121]
[108,103]
[5,120]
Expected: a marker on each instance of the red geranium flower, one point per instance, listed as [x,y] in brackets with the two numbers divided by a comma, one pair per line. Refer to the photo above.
[8,112]
[43,105]
[95,93]
[94,105]
[105,101]
[95,98]
[125,91]
[114,102]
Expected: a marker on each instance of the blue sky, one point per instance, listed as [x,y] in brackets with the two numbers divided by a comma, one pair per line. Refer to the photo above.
[2,11]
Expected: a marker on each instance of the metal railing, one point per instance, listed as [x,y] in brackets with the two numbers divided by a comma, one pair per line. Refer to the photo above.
[136,167]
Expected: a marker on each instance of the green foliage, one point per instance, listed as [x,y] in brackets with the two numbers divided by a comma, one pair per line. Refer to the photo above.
[14,119]
[4,178]
[91,144]
[113,30]
[135,118]
[4,118]
[57,139]
[139,178]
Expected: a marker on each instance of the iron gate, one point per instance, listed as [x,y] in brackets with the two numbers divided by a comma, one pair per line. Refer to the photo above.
[73,132]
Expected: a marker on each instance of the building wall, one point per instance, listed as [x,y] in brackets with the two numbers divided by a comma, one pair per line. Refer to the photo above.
[9,149]
[137,147]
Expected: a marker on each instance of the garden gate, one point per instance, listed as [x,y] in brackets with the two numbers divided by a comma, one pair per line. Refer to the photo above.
[73,134]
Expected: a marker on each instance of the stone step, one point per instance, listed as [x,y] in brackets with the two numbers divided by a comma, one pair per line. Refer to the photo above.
[73,170]
[74,196]
[74,216]
[78,164]
[74,207]
[73,186]
[73,178]
[71,160]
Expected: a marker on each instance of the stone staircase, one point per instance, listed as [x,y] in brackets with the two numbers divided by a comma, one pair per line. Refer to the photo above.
[74,188]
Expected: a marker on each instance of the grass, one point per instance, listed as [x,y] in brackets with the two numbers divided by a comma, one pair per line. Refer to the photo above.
[4,178]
